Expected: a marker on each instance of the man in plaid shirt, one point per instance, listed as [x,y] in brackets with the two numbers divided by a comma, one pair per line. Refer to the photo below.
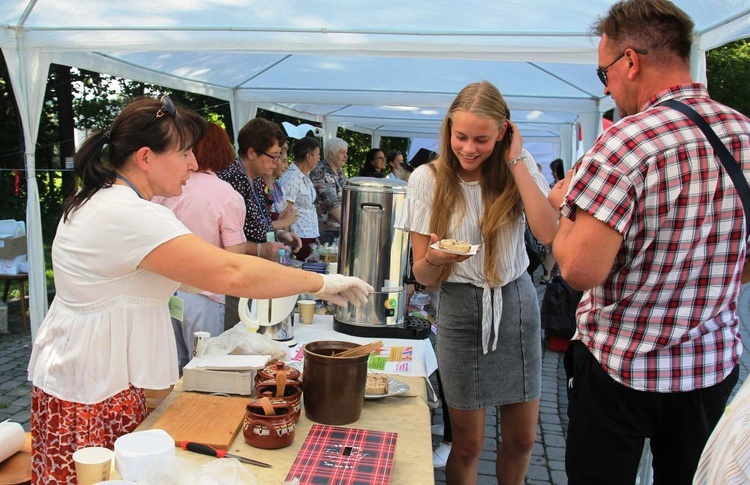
[652,226]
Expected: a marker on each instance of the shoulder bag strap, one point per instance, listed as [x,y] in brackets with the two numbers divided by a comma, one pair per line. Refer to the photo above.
[730,164]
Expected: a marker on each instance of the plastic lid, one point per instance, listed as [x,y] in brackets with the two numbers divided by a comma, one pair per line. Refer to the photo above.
[282,252]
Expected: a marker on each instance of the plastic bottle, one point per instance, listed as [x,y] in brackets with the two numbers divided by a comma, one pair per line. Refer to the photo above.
[283,258]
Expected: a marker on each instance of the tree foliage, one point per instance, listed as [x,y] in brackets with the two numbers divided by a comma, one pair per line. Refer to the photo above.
[728,72]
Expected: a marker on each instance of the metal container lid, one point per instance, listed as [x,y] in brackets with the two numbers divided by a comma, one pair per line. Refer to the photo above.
[371,184]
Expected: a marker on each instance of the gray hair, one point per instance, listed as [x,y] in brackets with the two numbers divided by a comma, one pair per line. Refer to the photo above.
[335,145]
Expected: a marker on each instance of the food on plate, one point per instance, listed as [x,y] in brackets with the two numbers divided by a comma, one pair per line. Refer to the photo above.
[455,245]
[377,384]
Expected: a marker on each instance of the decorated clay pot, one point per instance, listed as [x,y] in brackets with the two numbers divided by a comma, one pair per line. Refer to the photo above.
[269,431]
[292,394]
[269,372]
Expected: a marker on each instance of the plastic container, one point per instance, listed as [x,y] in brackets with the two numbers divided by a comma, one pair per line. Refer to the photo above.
[333,387]
[283,258]
[137,451]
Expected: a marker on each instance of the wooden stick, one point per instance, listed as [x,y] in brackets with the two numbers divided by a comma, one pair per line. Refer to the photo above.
[365,349]
[280,383]
[267,406]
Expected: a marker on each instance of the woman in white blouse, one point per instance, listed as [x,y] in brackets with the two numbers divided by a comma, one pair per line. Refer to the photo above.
[118,258]
[482,189]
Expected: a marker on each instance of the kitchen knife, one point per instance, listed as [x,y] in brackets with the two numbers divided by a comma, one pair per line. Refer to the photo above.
[211,451]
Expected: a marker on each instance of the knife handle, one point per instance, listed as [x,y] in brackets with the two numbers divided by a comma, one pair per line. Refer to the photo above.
[202,449]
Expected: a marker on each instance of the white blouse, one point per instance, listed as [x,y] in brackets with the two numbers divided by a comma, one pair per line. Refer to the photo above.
[512,262]
[108,326]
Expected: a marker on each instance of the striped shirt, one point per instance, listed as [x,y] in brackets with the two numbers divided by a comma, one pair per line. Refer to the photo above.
[665,318]
[512,260]
[726,457]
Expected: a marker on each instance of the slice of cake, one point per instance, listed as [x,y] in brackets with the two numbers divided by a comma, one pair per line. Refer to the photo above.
[454,245]
[377,384]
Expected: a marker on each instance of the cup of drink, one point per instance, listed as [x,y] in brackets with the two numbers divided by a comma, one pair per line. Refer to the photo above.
[93,464]
[306,310]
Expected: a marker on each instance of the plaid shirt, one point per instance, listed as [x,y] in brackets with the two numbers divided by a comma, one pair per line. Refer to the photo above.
[665,319]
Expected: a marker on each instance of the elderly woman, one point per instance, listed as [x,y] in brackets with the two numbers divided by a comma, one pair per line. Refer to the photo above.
[300,194]
[328,178]
[118,259]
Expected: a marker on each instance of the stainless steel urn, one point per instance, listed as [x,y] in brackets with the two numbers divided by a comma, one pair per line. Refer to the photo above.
[372,249]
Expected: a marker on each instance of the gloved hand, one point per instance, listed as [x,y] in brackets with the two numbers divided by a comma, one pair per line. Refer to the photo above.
[340,289]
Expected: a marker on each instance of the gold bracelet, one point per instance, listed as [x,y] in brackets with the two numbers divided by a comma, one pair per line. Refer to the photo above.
[431,264]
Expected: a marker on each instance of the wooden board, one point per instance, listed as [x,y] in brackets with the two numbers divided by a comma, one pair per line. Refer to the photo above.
[211,420]
[16,470]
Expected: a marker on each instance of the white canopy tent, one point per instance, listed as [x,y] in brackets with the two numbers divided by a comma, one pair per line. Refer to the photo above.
[388,68]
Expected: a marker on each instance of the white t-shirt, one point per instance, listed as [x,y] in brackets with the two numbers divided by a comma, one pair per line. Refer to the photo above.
[109,325]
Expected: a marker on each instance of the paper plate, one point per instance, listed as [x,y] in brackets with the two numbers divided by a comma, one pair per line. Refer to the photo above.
[395,387]
[472,250]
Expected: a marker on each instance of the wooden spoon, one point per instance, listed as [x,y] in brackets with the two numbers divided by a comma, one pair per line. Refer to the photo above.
[268,409]
[359,350]
[280,383]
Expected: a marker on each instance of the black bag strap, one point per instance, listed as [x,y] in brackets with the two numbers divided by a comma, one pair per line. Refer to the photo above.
[730,164]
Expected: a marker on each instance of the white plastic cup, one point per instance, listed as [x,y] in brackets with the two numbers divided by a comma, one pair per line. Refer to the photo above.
[200,341]
[93,464]
[306,310]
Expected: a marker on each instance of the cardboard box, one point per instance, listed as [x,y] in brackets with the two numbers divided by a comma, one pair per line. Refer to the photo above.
[11,247]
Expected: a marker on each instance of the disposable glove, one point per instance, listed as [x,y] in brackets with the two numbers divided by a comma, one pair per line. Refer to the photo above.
[340,290]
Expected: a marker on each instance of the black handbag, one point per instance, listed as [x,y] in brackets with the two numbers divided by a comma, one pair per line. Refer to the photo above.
[558,311]
[532,250]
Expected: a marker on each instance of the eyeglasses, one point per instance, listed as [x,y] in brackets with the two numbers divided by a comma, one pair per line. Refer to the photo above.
[167,106]
[275,158]
[379,158]
[601,72]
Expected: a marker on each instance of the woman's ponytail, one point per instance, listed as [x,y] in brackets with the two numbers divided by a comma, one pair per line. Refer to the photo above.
[90,170]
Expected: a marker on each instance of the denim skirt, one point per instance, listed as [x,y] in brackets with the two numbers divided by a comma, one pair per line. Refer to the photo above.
[512,373]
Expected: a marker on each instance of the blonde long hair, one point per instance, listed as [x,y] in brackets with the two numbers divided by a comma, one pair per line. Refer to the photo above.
[500,196]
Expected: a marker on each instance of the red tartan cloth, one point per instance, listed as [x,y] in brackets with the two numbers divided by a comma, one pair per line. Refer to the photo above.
[345,456]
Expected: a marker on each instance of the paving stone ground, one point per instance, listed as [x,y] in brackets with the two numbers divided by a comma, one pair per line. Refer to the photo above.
[547,465]
[548,456]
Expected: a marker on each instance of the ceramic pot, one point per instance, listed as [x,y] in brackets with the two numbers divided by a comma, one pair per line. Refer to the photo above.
[269,373]
[334,387]
[292,394]
[269,432]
